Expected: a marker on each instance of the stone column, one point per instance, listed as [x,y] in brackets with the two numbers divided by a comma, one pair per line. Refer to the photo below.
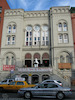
[41,37]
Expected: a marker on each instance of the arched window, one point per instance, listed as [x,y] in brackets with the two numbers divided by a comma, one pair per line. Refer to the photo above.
[14,29]
[13,39]
[12,61]
[28,36]
[8,40]
[61,59]
[9,29]
[45,35]
[36,35]
[64,27]
[7,60]
[67,59]
[66,38]
[60,27]
[60,38]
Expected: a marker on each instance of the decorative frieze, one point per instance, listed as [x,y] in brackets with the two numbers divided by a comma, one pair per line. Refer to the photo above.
[16,12]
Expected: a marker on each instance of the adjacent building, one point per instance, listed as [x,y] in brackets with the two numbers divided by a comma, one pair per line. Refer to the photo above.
[45,35]
[3,6]
[72,10]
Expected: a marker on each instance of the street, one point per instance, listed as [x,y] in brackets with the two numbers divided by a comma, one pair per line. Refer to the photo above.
[15,96]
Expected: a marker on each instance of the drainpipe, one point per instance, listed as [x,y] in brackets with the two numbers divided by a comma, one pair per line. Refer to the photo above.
[50,40]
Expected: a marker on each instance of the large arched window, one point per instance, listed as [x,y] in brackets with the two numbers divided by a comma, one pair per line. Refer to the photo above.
[28,36]
[10,59]
[45,35]
[36,35]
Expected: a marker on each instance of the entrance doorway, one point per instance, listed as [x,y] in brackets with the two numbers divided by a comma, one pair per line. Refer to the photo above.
[35,79]
[46,63]
[28,63]
[26,77]
[45,77]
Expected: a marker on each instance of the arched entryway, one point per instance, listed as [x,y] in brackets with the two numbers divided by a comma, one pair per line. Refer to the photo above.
[25,76]
[45,77]
[28,62]
[37,55]
[35,79]
[45,59]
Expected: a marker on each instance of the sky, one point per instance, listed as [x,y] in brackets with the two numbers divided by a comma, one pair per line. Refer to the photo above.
[32,5]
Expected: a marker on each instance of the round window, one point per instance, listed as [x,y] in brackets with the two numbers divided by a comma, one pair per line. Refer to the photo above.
[28,28]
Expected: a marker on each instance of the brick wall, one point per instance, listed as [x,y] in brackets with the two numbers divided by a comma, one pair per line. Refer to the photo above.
[4,5]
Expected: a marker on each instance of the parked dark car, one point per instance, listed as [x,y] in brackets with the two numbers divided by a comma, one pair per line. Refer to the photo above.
[45,90]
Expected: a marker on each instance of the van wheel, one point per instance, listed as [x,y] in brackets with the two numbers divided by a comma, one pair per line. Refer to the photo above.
[60,96]
[27,95]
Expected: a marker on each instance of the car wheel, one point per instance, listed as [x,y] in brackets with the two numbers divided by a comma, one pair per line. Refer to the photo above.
[27,95]
[1,89]
[60,95]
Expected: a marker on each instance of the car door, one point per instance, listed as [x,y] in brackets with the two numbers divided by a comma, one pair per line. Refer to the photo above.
[52,89]
[10,86]
[40,90]
[19,85]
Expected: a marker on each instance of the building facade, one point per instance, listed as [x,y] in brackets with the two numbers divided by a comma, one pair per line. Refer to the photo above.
[45,35]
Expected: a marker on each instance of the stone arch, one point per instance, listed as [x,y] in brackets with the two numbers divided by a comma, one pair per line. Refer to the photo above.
[61,21]
[45,56]
[11,23]
[28,56]
[36,55]
[9,52]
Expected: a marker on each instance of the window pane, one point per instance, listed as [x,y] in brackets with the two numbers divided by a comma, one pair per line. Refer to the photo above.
[27,34]
[30,33]
[35,38]
[14,27]
[60,25]
[20,83]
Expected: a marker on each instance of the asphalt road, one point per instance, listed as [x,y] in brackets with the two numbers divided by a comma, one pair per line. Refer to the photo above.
[15,96]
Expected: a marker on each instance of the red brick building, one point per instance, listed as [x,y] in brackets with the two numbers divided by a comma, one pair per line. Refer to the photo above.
[3,5]
[72,10]
[73,24]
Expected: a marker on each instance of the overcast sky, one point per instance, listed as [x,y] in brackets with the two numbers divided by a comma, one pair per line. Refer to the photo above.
[31,5]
